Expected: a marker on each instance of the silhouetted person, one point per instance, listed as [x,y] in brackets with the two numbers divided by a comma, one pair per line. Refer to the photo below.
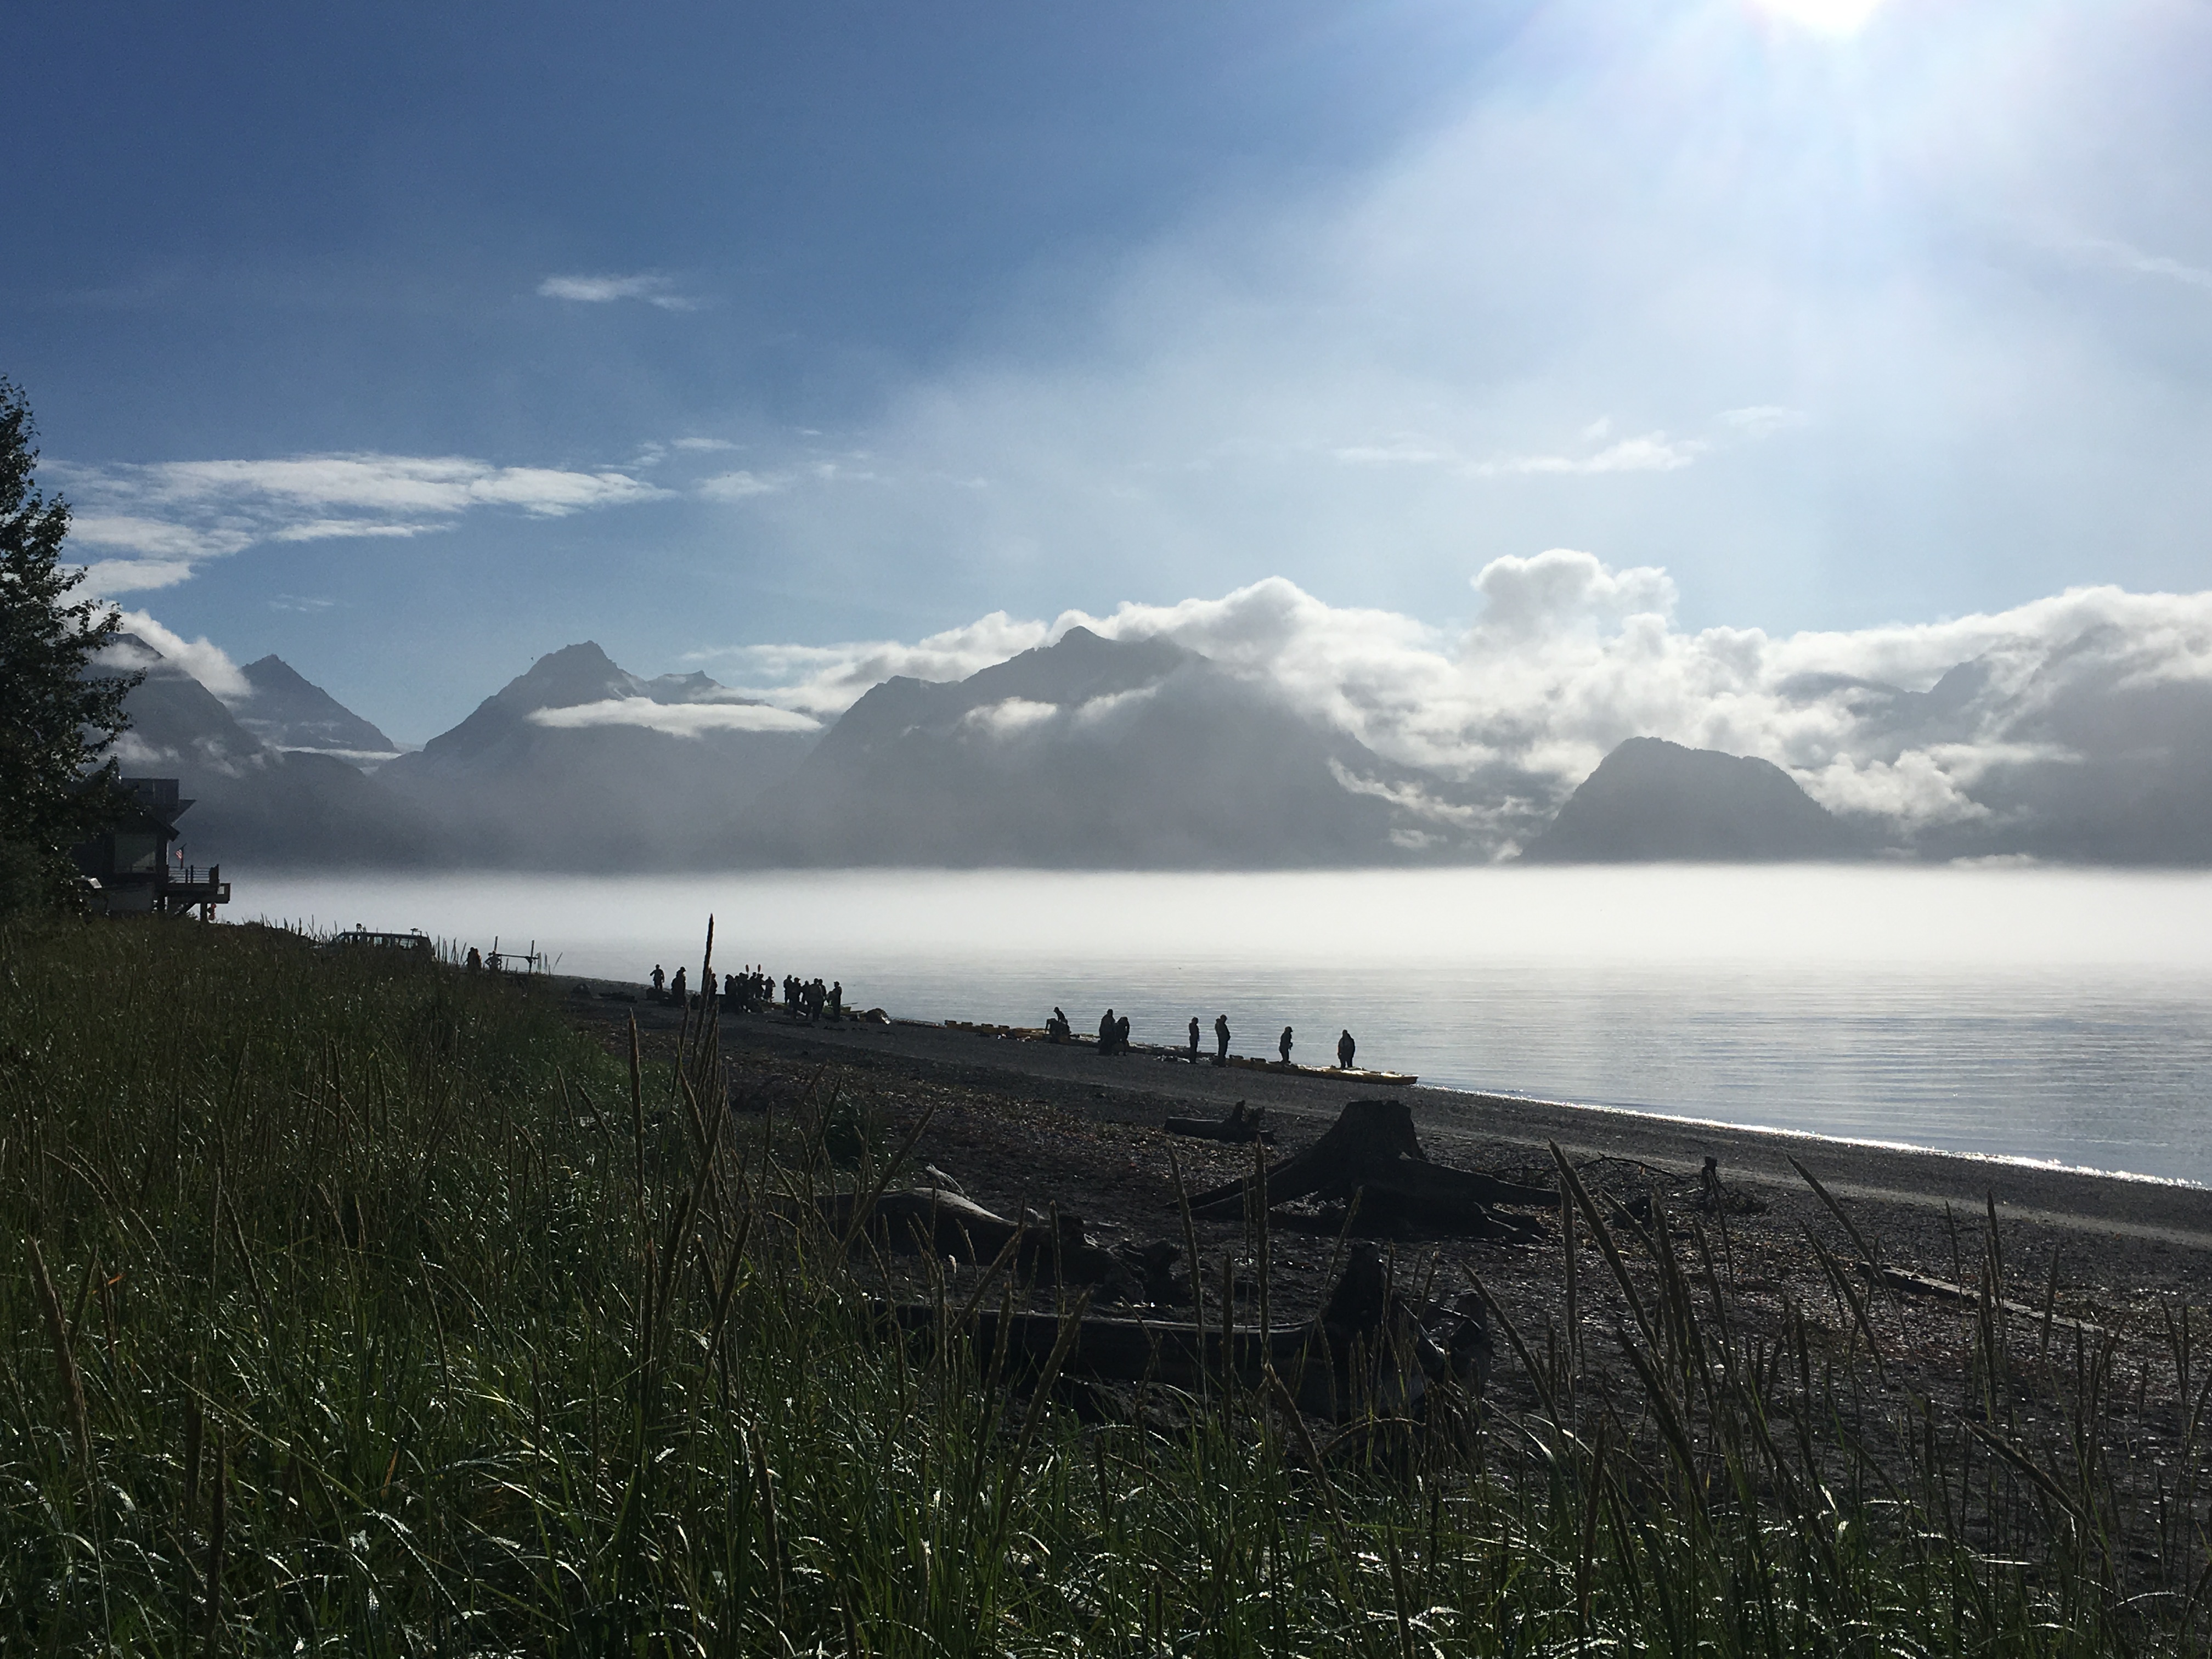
[1106,1032]
[730,989]
[1283,1042]
[677,994]
[837,1000]
[1121,1034]
[1345,1048]
[1221,1039]
[1057,1027]
[1193,1039]
[476,965]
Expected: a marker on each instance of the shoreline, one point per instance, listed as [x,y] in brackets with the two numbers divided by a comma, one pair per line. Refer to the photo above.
[1913,1194]
[2050,1165]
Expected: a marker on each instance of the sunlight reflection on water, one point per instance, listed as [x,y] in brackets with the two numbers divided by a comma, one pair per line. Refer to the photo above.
[2052,1014]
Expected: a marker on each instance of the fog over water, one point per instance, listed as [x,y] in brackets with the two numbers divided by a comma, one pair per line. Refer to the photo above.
[2029,1012]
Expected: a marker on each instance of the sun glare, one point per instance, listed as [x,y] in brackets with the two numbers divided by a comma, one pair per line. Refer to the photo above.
[1827,16]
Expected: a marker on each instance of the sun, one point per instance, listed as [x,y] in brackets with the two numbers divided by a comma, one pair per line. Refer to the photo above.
[1837,17]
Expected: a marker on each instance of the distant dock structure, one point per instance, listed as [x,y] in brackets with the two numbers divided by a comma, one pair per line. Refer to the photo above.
[129,869]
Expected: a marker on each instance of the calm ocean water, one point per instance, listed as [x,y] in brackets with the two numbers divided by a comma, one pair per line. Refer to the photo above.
[2057,1015]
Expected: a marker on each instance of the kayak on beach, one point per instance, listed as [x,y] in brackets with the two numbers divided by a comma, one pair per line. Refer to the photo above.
[1246,1062]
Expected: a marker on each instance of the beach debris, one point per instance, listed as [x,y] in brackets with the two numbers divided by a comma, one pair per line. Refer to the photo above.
[1153,1265]
[1717,1197]
[1371,1349]
[1913,1284]
[1372,1154]
[1241,1128]
[943,1223]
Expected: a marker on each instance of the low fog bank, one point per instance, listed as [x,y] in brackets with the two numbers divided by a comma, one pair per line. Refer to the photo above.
[1573,721]
[1904,919]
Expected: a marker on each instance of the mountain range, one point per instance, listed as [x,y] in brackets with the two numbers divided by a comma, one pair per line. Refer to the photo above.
[579,765]
[255,802]
[1092,752]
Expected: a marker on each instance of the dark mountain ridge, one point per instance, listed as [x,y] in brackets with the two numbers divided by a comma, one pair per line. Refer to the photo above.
[513,792]
[1092,753]
[1651,801]
[255,804]
[288,712]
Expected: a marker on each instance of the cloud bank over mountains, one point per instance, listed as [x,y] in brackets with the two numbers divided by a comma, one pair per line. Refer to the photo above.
[1922,727]
[1268,728]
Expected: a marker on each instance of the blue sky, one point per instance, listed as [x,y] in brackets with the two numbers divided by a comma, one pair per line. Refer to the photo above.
[412,344]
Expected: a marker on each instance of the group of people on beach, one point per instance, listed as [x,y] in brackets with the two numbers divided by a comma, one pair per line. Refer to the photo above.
[1113,1038]
[754,991]
[812,1002]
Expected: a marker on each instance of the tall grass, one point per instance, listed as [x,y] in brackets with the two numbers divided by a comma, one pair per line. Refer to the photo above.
[355,1303]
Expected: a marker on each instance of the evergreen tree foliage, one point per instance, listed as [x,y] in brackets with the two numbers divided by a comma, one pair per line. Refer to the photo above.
[55,723]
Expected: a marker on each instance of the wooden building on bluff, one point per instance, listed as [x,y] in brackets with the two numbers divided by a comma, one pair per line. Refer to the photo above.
[130,868]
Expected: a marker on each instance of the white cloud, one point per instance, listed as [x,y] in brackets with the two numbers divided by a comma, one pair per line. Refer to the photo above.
[2123,255]
[376,482]
[207,663]
[154,537]
[709,444]
[681,719]
[1652,452]
[1400,452]
[736,486]
[107,577]
[827,679]
[655,291]
[1407,798]
[178,514]
[1010,716]
[1562,589]
[324,530]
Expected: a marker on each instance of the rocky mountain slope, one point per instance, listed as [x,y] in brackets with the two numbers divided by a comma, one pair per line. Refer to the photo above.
[578,764]
[288,712]
[256,805]
[1651,801]
[1095,753]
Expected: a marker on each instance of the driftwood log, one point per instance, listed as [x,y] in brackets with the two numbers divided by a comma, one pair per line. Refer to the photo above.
[1912,1284]
[1239,1128]
[1369,1349]
[1371,1153]
[941,1223]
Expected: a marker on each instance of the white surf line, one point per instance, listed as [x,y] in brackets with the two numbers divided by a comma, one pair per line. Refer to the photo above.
[2052,1166]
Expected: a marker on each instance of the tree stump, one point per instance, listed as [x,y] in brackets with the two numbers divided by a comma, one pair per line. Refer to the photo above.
[1372,1152]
